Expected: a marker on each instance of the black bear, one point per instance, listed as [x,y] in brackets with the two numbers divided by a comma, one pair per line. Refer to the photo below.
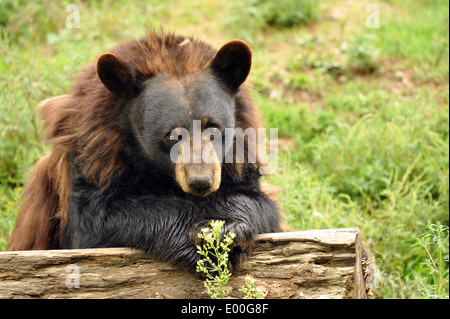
[112,177]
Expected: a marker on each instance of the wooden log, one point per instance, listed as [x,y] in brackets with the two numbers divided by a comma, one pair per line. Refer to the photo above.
[303,264]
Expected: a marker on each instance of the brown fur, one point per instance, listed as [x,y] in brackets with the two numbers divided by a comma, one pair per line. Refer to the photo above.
[85,123]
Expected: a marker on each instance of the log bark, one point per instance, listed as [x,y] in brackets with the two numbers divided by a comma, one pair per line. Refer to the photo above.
[303,264]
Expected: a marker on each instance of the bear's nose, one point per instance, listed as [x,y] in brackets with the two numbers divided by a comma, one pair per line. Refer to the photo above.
[200,184]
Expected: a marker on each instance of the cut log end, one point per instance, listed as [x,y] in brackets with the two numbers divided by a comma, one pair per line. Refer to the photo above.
[306,264]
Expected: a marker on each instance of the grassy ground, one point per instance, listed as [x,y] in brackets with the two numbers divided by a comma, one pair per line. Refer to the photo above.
[362,113]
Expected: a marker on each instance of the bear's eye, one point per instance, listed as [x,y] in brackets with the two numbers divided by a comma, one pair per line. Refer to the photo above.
[213,131]
[174,137]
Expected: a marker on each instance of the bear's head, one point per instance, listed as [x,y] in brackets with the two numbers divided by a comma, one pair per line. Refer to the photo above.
[184,122]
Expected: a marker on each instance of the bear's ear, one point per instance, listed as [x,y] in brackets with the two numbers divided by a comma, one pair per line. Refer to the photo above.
[116,75]
[232,63]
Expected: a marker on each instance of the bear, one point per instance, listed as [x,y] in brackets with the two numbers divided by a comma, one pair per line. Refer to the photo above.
[112,177]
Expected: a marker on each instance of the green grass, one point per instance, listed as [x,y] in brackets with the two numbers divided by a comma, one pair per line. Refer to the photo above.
[365,110]
[433,280]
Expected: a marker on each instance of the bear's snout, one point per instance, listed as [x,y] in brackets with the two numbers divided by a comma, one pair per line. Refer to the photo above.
[200,184]
[198,173]
[199,179]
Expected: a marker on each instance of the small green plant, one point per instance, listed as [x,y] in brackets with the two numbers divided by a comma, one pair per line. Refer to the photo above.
[215,259]
[287,13]
[362,55]
[252,16]
[252,292]
[434,284]
[215,264]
